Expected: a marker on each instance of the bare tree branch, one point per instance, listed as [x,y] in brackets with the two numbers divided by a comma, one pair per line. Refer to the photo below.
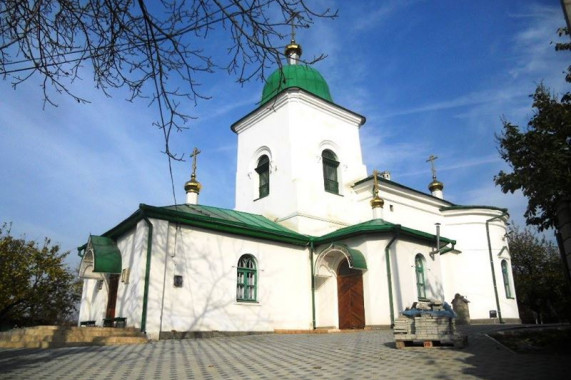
[158,50]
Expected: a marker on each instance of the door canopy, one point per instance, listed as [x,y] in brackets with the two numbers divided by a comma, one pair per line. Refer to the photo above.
[101,256]
[354,257]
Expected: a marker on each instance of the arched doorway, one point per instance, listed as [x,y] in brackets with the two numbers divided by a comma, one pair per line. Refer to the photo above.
[112,296]
[350,297]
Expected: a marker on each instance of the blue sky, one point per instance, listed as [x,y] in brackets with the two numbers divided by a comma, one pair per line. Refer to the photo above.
[431,77]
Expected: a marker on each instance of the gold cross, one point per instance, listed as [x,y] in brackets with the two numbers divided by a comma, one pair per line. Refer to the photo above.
[293,16]
[194,154]
[375,183]
[432,158]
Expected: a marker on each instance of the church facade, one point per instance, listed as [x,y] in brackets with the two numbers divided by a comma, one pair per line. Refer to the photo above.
[314,241]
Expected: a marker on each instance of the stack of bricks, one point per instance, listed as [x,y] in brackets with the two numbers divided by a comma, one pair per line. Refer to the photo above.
[429,327]
[426,327]
[404,328]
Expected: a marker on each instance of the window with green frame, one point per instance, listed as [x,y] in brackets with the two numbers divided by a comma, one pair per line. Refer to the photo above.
[420,279]
[506,277]
[247,279]
[330,165]
[263,170]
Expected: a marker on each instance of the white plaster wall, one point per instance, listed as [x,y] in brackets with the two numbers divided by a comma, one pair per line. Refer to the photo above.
[132,246]
[93,302]
[508,305]
[128,294]
[296,131]
[404,272]
[156,277]
[377,311]
[326,306]
[375,282]
[269,135]
[207,300]
[469,273]
[410,209]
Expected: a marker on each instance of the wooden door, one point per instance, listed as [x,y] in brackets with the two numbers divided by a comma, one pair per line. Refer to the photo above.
[350,297]
[112,297]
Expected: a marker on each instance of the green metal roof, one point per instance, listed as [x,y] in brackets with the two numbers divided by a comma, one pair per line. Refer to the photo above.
[458,207]
[107,257]
[253,225]
[214,218]
[300,76]
[232,216]
[377,226]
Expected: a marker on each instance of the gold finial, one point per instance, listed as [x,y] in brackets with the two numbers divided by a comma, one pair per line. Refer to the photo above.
[435,185]
[293,49]
[376,201]
[375,183]
[193,185]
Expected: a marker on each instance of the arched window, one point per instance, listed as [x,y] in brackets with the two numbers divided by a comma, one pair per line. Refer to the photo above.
[263,170]
[506,276]
[330,165]
[247,278]
[420,283]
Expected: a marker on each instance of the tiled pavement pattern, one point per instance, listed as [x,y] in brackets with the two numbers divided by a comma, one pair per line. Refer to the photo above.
[357,355]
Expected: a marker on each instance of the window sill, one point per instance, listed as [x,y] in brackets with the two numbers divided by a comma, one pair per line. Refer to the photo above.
[247,303]
[257,199]
[333,193]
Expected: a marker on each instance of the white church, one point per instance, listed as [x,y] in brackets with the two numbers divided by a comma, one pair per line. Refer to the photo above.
[314,241]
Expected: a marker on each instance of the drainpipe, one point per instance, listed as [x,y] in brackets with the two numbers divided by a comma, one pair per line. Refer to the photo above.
[438,236]
[445,249]
[504,213]
[389,279]
[165,272]
[311,250]
[502,250]
[147,272]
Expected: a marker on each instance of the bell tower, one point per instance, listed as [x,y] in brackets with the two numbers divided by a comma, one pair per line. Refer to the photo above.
[299,153]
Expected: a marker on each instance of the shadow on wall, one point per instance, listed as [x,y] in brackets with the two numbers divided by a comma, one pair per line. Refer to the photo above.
[403,279]
[206,299]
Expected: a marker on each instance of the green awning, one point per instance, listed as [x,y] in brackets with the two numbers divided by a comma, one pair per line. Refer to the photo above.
[101,256]
[355,257]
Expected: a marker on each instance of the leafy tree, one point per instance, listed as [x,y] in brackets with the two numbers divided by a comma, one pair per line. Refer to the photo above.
[539,280]
[540,157]
[156,49]
[36,286]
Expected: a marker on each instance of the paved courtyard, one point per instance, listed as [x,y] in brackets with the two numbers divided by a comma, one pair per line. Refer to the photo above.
[356,355]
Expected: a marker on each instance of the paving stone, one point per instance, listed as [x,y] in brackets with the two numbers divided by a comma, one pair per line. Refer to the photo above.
[361,355]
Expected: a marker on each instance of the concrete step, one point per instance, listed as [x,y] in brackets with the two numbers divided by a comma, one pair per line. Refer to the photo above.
[55,336]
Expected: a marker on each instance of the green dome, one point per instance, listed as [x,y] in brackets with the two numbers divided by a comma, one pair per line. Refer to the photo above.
[301,76]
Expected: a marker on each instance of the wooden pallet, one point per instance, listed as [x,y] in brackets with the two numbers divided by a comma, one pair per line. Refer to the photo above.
[400,344]
[458,342]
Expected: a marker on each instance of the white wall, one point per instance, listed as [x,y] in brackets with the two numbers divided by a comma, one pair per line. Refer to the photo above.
[132,246]
[207,300]
[375,281]
[93,301]
[293,134]
[469,273]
